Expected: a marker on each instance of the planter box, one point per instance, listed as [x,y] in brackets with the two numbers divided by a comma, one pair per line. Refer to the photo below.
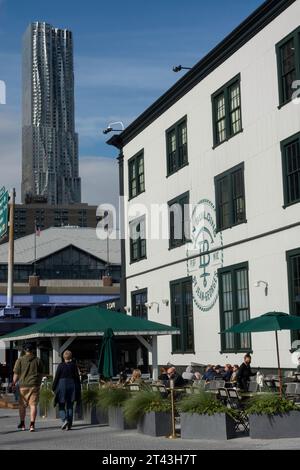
[217,426]
[275,426]
[155,424]
[116,419]
[93,415]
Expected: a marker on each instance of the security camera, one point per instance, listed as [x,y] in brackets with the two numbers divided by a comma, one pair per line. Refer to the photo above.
[165,302]
[148,304]
[127,309]
[177,68]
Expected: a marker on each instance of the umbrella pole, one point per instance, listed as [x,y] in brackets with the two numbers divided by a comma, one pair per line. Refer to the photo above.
[278,362]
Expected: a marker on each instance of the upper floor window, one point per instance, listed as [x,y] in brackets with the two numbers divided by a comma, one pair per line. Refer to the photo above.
[288,64]
[179,220]
[177,153]
[290,151]
[227,114]
[230,197]
[136,175]
[137,239]
[138,301]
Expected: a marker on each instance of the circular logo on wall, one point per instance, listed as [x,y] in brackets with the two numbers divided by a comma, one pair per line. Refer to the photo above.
[204,255]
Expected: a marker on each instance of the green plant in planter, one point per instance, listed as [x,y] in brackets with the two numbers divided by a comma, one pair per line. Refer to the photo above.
[90,396]
[46,399]
[203,403]
[270,404]
[112,397]
[144,402]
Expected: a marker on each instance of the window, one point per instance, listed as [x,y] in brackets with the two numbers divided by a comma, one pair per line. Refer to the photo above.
[136,175]
[230,198]
[288,65]
[137,239]
[290,151]
[138,301]
[182,315]
[179,221]
[293,265]
[177,154]
[227,115]
[234,306]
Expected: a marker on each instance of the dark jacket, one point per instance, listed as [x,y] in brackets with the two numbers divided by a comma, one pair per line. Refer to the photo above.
[243,376]
[66,384]
[29,369]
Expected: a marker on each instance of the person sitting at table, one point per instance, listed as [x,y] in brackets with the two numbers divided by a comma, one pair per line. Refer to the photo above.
[218,372]
[163,376]
[233,378]
[197,378]
[227,373]
[209,373]
[188,375]
[177,378]
[244,373]
[136,378]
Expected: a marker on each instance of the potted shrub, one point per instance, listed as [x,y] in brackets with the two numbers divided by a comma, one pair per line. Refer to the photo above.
[202,416]
[47,410]
[92,412]
[112,399]
[150,411]
[273,417]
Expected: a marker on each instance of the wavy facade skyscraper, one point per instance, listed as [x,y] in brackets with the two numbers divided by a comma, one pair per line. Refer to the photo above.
[49,141]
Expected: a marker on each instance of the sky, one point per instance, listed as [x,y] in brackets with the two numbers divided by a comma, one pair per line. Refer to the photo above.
[124,52]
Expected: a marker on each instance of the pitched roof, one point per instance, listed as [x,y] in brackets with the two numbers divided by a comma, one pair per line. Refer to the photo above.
[91,321]
[54,239]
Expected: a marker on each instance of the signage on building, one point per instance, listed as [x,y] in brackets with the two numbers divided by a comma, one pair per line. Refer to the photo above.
[204,255]
[3,211]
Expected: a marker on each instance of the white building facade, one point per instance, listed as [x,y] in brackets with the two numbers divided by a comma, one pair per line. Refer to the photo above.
[224,144]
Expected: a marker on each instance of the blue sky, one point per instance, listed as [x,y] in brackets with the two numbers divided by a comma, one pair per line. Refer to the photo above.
[123,51]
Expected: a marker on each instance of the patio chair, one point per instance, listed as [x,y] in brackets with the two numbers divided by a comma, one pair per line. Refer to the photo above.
[223,395]
[133,387]
[290,390]
[269,385]
[253,387]
[235,403]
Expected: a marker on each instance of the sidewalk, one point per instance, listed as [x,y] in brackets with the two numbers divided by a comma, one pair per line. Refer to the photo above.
[82,437]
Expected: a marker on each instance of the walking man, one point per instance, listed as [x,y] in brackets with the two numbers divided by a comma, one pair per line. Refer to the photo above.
[28,372]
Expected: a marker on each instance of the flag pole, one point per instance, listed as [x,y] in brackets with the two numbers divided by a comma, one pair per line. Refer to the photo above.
[34,263]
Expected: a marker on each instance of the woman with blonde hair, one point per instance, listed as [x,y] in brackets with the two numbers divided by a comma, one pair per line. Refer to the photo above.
[66,386]
[136,377]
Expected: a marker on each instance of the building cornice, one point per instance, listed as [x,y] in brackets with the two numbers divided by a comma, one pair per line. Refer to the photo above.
[251,26]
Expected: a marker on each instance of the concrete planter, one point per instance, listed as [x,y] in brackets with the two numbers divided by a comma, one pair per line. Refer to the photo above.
[219,426]
[116,419]
[275,426]
[155,424]
[93,415]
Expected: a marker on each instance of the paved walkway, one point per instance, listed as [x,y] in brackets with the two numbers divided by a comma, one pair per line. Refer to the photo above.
[49,436]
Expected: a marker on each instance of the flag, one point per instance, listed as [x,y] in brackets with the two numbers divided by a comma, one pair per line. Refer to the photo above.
[37,230]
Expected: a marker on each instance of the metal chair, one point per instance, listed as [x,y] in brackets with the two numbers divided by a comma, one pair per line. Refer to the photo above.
[253,387]
[235,403]
[133,387]
[223,395]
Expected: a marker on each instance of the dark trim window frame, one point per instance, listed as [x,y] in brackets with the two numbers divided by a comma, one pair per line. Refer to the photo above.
[177,146]
[288,65]
[137,243]
[138,300]
[293,274]
[234,305]
[227,111]
[230,197]
[180,209]
[290,155]
[182,316]
[136,175]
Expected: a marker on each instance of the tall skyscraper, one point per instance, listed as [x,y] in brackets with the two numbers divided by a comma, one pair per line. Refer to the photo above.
[49,140]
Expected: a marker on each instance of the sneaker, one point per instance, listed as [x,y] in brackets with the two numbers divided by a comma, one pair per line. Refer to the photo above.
[32,428]
[21,426]
[69,426]
[65,425]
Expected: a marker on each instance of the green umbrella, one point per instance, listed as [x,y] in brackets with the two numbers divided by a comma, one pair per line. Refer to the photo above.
[107,365]
[271,321]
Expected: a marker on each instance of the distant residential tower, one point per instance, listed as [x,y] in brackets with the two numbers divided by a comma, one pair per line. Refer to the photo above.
[49,140]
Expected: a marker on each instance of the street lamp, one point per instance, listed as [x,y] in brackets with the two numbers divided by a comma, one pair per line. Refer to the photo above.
[178,68]
[111,129]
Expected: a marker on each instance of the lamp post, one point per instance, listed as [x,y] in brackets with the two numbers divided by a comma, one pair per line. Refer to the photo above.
[173,435]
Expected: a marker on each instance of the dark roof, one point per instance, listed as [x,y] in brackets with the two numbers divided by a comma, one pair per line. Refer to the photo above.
[91,321]
[252,25]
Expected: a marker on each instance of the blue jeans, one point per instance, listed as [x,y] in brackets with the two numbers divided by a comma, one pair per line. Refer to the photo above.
[66,412]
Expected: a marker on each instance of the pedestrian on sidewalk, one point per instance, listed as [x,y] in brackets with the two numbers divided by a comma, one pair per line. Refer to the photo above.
[67,389]
[28,372]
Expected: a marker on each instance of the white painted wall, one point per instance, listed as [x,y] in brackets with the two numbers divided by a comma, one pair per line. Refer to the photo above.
[258,146]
